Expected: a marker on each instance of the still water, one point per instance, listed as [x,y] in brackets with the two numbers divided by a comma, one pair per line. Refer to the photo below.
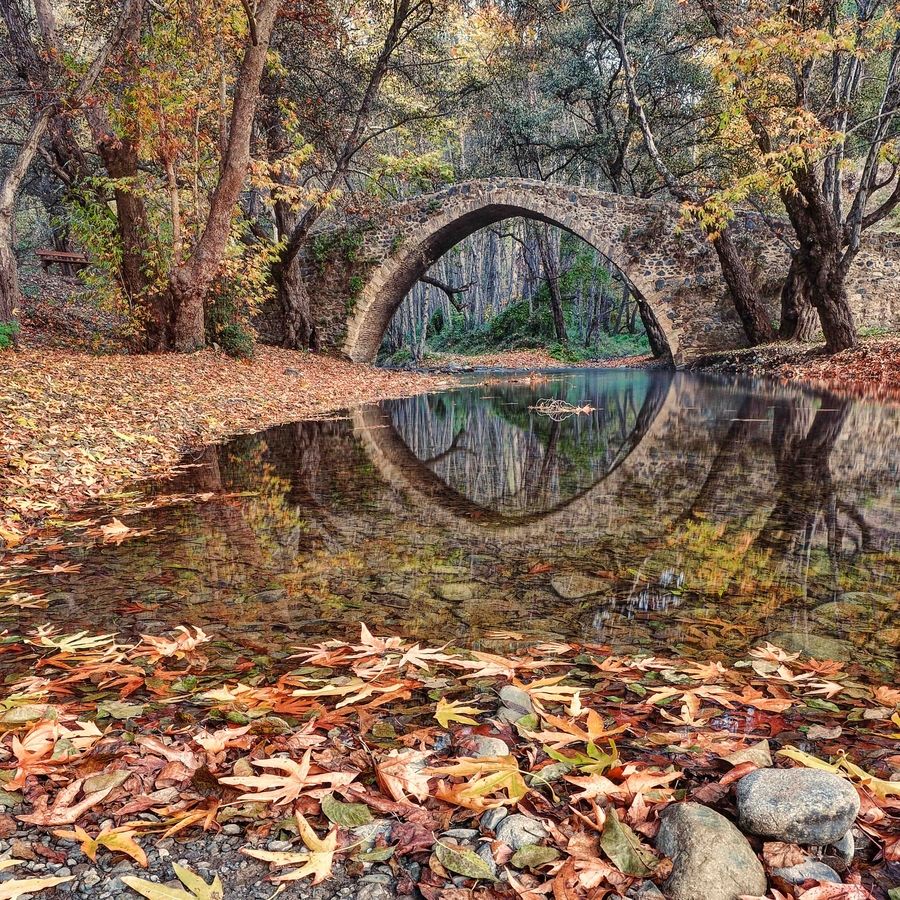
[681,514]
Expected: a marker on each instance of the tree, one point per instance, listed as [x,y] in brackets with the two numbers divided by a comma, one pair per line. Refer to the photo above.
[190,279]
[55,91]
[346,85]
[812,97]
[744,294]
[174,134]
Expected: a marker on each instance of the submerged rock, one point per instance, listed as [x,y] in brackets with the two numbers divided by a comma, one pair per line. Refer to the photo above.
[816,645]
[574,587]
[711,859]
[802,806]
[516,703]
[456,592]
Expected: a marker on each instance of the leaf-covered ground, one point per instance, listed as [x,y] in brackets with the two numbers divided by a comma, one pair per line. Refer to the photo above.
[75,425]
[869,371]
[378,755]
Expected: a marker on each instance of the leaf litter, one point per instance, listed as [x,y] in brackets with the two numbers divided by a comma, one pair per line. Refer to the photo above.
[342,732]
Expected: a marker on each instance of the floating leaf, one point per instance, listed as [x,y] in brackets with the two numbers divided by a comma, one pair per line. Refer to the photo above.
[455,712]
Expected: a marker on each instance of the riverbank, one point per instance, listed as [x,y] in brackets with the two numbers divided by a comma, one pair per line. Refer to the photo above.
[869,371]
[525,360]
[75,425]
[385,769]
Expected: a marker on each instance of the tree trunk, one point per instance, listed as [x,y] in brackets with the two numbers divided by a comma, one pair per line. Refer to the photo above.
[820,259]
[294,302]
[189,283]
[10,298]
[749,306]
[655,335]
[120,159]
[799,321]
[551,275]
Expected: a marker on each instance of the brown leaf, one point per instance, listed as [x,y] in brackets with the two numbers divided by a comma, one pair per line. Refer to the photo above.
[779,855]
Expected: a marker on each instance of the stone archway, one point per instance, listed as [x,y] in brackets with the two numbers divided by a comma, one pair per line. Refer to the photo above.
[395,277]
[673,270]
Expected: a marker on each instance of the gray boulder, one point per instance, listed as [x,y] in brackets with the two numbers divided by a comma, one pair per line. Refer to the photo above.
[802,806]
[711,859]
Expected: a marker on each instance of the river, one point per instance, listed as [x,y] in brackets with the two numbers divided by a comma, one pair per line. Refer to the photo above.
[679,513]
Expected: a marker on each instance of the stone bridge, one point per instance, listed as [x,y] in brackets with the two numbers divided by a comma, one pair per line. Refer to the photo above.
[359,274]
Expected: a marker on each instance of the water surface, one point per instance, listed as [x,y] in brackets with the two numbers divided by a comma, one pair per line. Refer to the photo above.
[682,514]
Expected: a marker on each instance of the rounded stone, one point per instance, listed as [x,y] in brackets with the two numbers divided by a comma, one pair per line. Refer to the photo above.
[711,859]
[802,806]
[516,831]
[486,746]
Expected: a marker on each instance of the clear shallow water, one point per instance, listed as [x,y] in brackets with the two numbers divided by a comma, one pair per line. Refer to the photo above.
[684,514]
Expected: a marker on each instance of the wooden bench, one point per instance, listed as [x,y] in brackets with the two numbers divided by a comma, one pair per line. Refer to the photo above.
[66,261]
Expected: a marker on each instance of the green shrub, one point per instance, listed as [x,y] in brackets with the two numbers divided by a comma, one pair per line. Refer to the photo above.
[236,340]
[8,332]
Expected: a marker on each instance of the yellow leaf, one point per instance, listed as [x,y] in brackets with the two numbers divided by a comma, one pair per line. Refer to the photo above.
[199,889]
[20,887]
[455,712]
[878,786]
[317,862]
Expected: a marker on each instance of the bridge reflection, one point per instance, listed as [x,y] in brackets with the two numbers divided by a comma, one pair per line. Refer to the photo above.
[486,458]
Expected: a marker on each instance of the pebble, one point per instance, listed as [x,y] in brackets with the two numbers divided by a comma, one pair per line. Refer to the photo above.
[811,869]
[489,746]
[492,818]
[484,851]
[802,806]
[516,831]
[461,834]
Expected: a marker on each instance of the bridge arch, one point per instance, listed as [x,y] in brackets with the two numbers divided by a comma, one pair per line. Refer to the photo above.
[428,227]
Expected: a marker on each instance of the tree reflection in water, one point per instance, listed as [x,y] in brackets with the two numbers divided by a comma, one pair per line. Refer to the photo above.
[684,514]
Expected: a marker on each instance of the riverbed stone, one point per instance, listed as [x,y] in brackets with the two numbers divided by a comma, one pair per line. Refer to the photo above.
[803,806]
[811,870]
[711,859]
[575,587]
[840,854]
[819,646]
[515,704]
[456,592]
[492,818]
[516,831]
